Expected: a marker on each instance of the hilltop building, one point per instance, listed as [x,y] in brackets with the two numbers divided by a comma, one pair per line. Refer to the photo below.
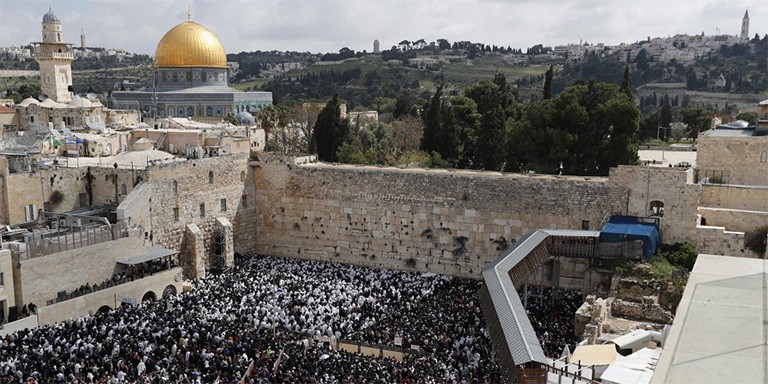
[191,80]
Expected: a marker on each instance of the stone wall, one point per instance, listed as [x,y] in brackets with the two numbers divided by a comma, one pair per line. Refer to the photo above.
[7,297]
[673,187]
[37,188]
[178,190]
[110,186]
[40,279]
[573,273]
[733,219]
[451,222]
[742,160]
[712,240]
[734,197]
[135,208]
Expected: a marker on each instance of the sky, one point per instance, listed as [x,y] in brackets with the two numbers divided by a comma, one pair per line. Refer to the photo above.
[321,26]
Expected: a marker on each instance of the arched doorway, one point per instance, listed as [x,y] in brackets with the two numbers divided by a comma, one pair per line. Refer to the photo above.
[218,247]
[104,309]
[169,291]
[149,296]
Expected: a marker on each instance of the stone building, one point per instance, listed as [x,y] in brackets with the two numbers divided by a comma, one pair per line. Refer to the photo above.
[734,153]
[55,59]
[191,80]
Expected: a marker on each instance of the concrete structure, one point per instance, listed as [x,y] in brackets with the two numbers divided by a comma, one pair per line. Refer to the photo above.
[364,118]
[55,60]
[191,80]
[718,334]
[153,287]
[376,48]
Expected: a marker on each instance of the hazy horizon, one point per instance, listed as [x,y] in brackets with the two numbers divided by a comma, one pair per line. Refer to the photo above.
[321,26]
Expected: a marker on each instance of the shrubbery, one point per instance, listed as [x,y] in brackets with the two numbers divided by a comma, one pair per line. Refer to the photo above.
[755,240]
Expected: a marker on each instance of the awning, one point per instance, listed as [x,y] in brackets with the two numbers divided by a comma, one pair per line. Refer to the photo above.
[151,253]
[628,228]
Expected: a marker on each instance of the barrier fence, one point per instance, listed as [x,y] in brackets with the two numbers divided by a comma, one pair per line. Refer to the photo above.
[39,245]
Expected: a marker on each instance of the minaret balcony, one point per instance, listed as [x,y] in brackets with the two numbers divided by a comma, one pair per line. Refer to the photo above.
[55,55]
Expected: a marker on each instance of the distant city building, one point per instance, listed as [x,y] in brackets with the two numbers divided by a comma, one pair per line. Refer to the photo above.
[191,80]
[376,48]
[55,59]
[745,26]
[82,39]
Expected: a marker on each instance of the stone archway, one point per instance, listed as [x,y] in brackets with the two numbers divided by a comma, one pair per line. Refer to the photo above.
[104,309]
[169,291]
[149,296]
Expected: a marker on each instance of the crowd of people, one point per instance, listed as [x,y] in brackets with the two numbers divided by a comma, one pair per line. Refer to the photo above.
[265,313]
[551,312]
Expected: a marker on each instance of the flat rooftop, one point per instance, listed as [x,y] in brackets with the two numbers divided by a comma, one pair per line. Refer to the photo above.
[720,332]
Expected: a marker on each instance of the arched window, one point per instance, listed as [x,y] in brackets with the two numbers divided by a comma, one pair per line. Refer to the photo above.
[764,157]
[190,111]
[242,175]
[181,111]
[209,111]
[175,187]
[656,209]
[210,177]
[123,189]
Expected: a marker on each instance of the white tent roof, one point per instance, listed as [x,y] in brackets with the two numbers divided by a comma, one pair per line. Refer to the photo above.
[49,103]
[28,101]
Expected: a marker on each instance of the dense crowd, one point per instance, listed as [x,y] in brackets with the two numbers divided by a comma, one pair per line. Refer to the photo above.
[551,313]
[265,313]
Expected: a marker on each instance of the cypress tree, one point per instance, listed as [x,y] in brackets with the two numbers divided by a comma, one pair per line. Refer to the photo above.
[625,82]
[330,131]
[548,82]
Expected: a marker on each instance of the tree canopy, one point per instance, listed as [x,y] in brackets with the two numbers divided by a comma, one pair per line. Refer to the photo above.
[584,130]
[330,131]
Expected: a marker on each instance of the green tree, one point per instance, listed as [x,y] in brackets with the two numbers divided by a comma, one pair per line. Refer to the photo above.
[589,128]
[625,82]
[432,120]
[402,107]
[697,119]
[330,131]
[548,82]
[492,99]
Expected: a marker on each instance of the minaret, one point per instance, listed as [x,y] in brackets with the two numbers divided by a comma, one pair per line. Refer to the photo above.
[82,39]
[745,26]
[55,59]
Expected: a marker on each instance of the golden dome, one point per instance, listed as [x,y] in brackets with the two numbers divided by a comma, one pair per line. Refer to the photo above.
[189,44]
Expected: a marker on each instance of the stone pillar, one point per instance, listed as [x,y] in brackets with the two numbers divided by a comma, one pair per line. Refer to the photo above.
[228,252]
[194,253]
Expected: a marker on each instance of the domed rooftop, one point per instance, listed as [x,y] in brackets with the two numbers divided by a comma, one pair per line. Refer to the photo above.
[50,17]
[79,102]
[245,118]
[190,45]
[736,124]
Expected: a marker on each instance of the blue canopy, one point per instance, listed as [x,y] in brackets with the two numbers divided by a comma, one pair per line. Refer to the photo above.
[628,228]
